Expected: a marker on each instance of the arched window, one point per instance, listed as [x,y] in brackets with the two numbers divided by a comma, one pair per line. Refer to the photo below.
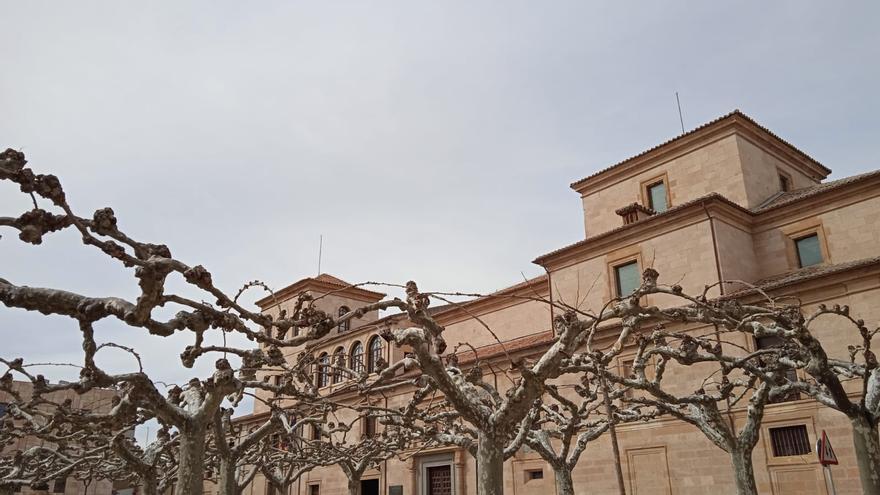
[356,362]
[338,360]
[375,354]
[345,325]
[323,375]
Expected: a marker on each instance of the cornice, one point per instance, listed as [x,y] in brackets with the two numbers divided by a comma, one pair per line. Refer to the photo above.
[735,123]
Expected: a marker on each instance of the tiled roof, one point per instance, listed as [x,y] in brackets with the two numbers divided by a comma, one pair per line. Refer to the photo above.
[805,274]
[511,346]
[806,192]
[735,113]
[775,202]
[330,279]
[670,211]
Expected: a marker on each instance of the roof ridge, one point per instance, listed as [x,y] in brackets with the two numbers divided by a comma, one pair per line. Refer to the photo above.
[735,113]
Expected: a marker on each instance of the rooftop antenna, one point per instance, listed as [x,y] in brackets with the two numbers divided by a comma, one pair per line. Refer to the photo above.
[680,119]
[320,251]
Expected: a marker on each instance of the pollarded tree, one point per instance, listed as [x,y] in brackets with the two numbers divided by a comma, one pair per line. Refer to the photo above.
[849,384]
[189,410]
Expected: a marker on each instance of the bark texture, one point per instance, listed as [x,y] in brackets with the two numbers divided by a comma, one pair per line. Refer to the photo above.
[867,446]
[743,472]
[490,466]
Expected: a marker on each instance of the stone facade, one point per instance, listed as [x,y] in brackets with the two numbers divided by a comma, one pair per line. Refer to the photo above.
[738,198]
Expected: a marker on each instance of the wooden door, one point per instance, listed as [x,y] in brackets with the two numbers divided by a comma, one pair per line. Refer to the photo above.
[439,480]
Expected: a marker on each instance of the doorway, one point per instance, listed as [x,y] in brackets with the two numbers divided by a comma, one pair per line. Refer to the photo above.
[369,487]
[440,480]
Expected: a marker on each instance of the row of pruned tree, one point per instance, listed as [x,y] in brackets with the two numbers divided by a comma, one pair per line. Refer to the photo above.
[555,401]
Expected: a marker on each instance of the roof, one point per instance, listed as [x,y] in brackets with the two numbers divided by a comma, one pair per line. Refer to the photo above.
[671,211]
[509,346]
[774,202]
[808,192]
[322,282]
[736,114]
[808,273]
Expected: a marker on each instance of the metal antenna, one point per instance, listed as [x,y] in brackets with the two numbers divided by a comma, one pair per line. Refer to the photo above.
[680,119]
[320,251]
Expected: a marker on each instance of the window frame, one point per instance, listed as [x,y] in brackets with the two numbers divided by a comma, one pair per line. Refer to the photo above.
[801,230]
[773,460]
[645,191]
[356,360]
[344,326]
[784,177]
[323,370]
[337,375]
[615,269]
[374,354]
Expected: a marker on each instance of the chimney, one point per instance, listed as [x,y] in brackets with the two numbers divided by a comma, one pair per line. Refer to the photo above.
[633,213]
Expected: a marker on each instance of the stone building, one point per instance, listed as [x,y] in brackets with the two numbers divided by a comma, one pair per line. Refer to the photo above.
[728,201]
[96,400]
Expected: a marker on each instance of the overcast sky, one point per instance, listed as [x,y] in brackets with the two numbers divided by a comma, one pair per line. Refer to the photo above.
[432,141]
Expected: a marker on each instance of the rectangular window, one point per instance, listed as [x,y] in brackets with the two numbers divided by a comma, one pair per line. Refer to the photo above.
[60,485]
[314,490]
[790,441]
[808,250]
[784,183]
[535,474]
[657,197]
[627,278]
[369,426]
[316,432]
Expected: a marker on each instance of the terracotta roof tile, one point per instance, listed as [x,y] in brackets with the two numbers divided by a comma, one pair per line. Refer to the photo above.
[511,346]
[670,211]
[805,274]
[735,113]
[806,192]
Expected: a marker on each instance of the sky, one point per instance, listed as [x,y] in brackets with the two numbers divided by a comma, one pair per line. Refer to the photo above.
[432,141]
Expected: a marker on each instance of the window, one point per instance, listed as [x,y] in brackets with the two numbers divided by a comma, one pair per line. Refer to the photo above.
[626,278]
[60,485]
[323,377]
[375,355]
[790,440]
[784,183]
[535,474]
[314,490]
[357,357]
[338,360]
[3,408]
[657,196]
[346,325]
[316,432]
[369,426]
[808,250]
[791,374]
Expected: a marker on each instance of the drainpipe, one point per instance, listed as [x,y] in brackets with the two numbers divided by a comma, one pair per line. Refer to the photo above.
[714,248]
[721,290]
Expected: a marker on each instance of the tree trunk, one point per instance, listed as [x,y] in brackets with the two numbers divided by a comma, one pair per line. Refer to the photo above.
[150,485]
[227,484]
[743,472]
[867,445]
[191,467]
[490,466]
[564,485]
[354,486]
